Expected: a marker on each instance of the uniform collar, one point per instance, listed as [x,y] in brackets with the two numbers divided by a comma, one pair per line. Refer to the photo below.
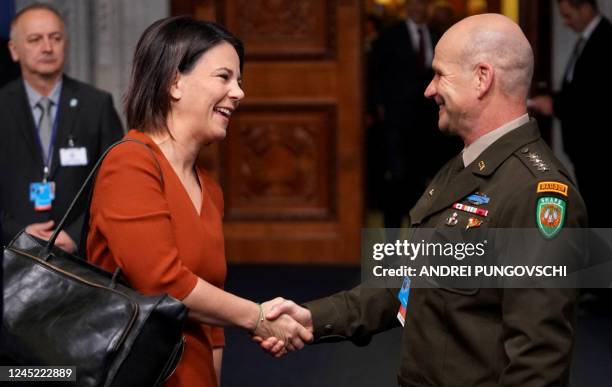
[475,149]
[487,162]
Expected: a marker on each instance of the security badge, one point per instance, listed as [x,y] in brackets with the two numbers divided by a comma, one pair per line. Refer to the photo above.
[402,296]
[73,156]
[551,210]
[42,194]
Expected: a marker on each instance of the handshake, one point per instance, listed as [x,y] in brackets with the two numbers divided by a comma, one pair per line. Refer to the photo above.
[284,326]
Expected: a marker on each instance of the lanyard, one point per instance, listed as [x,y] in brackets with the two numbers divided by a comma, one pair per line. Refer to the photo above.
[49,158]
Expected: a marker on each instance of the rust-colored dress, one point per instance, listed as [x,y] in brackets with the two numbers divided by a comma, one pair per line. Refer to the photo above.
[155,235]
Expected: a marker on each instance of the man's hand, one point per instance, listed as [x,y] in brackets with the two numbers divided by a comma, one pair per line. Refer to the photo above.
[278,310]
[283,331]
[45,230]
[542,104]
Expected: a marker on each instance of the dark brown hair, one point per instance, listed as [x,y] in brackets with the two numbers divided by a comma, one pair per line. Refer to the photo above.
[578,3]
[168,47]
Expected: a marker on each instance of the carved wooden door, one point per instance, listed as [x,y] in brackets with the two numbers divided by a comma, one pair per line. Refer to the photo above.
[291,165]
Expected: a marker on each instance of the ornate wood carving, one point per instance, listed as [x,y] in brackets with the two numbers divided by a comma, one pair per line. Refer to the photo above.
[277,163]
[276,29]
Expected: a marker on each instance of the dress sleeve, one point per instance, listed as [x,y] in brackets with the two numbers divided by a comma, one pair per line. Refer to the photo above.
[218,337]
[131,211]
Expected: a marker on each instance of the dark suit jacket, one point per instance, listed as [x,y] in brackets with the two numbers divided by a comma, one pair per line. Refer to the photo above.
[398,85]
[398,81]
[583,106]
[9,70]
[480,336]
[92,123]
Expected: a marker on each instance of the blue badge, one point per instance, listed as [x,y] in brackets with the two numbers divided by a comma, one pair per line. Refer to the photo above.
[42,194]
[404,292]
[478,199]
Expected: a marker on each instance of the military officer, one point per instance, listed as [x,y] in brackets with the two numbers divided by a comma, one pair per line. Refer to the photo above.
[506,177]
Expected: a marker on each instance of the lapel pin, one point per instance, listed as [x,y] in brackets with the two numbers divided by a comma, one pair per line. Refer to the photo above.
[481,165]
[431,192]
[74,102]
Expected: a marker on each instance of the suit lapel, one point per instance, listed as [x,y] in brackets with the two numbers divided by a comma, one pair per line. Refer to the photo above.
[20,107]
[68,112]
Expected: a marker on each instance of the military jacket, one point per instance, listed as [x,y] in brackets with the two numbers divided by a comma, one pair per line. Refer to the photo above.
[480,336]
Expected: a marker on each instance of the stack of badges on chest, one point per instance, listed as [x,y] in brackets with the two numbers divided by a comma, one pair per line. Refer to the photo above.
[476,199]
[551,210]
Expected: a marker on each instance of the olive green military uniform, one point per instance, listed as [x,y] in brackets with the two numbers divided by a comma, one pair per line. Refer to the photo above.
[475,337]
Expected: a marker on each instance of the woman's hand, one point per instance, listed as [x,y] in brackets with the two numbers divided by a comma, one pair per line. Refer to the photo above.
[286,326]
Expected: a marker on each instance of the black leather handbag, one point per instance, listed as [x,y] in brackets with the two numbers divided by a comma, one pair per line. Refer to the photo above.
[60,310]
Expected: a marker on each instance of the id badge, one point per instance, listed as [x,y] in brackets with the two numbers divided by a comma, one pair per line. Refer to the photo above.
[42,194]
[402,296]
[73,156]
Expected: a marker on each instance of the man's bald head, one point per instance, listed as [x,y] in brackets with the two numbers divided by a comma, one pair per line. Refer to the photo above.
[498,41]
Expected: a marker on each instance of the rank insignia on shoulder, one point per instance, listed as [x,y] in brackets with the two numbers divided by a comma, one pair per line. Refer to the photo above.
[550,215]
[553,186]
[537,162]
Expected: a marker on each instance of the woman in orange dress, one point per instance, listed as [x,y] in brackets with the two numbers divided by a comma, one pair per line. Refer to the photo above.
[156,215]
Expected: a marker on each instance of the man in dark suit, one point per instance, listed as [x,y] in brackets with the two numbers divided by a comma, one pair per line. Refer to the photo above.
[414,149]
[583,104]
[8,69]
[54,128]
[505,178]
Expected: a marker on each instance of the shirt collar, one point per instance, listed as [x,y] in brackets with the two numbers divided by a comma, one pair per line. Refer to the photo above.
[588,31]
[34,96]
[472,151]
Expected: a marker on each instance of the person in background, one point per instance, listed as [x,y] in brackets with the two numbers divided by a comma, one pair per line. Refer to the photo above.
[9,70]
[582,105]
[413,148]
[157,215]
[54,128]
[441,16]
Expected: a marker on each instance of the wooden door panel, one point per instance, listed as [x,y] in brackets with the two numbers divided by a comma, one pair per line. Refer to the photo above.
[291,164]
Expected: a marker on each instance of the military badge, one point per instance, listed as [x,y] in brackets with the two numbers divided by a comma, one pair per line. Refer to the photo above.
[478,199]
[470,209]
[552,186]
[473,223]
[452,220]
[550,215]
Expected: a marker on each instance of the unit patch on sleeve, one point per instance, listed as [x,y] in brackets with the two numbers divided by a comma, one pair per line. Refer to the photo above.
[550,215]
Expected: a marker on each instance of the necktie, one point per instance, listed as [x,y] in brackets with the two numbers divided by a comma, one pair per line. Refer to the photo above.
[421,49]
[45,124]
[571,65]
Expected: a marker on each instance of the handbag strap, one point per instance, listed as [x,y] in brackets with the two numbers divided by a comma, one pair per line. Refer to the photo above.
[84,188]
